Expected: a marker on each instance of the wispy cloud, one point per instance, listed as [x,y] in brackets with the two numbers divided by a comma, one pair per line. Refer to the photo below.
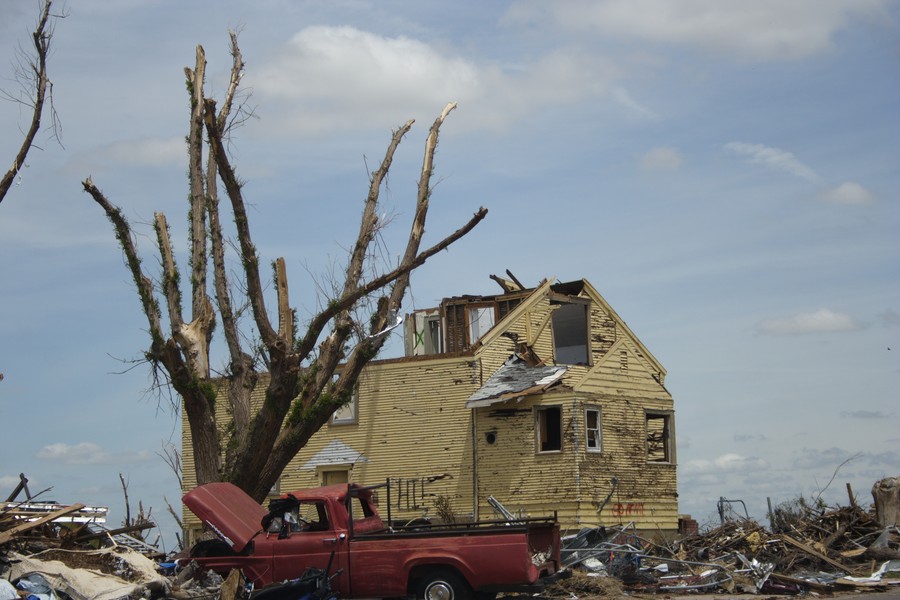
[623,98]
[661,159]
[775,159]
[89,453]
[865,414]
[725,464]
[889,318]
[823,320]
[758,30]
[848,192]
[147,152]
[811,458]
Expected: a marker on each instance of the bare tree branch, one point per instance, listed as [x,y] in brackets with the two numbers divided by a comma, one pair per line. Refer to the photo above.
[143,283]
[248,250]
[34,78]
[127,522]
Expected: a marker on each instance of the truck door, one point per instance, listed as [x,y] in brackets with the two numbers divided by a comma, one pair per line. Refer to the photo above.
[309,541]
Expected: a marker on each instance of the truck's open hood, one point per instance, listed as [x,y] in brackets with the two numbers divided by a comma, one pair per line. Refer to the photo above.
[228,510]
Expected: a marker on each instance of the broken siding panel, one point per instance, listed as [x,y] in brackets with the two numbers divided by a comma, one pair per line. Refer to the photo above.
[603,332]
[542,332]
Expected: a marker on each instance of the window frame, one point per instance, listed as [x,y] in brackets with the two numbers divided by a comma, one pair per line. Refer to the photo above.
[585,305]
[666,444]
[598,447]
[540,428]
[347,414]
[476,310]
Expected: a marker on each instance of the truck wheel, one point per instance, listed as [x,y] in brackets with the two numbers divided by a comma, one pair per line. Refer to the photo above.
[443,585]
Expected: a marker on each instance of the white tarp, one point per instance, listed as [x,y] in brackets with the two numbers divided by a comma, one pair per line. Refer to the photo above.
[90,584]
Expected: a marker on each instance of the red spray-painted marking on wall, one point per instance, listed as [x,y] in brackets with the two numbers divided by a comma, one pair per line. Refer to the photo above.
[628,509]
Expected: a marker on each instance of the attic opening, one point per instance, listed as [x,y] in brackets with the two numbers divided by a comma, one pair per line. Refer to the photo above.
[571,341]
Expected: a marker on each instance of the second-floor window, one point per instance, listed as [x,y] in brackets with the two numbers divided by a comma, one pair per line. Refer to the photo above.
[346,414]
[660,438]
[548,425]
[592,429]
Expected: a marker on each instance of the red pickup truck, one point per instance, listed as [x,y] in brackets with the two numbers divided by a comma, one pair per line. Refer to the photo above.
[338,527]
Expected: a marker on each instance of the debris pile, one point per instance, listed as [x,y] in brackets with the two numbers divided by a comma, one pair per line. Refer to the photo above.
[808,548]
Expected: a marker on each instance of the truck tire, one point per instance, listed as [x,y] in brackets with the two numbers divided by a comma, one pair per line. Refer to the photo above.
[443,584]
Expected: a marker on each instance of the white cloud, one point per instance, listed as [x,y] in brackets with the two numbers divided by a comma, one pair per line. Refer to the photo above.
[661,159]
[622,96]
[329,79]
[821,321]
[775,159]
[848,192]
[85,453]
[759,30]
[327,74]
[727,463]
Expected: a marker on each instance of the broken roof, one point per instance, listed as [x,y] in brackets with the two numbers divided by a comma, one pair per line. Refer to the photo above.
[513,379]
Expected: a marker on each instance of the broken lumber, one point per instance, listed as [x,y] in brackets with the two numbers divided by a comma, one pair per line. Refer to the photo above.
[7,535]
[813,552]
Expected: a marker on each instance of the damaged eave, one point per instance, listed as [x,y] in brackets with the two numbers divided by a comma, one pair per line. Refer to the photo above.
[515,378]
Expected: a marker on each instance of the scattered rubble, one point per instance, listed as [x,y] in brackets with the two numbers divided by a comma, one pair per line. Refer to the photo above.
[50,551]
[809,548]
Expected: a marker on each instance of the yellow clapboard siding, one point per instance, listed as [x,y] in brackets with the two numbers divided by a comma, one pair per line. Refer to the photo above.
[413,426]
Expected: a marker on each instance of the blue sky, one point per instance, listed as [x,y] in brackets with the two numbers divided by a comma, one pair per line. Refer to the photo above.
[725,173]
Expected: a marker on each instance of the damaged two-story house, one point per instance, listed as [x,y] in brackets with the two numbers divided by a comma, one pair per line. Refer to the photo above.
[531,401]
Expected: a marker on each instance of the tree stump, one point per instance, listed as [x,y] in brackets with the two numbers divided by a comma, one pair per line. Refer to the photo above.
[886,494]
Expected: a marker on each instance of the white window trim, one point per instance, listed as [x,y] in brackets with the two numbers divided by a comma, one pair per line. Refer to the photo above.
[599,429]
[348,414]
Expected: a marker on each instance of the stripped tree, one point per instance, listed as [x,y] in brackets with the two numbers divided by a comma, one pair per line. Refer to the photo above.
[34,90]
[311,373]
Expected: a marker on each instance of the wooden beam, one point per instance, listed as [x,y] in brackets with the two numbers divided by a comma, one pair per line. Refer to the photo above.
[7,535]
[813,552]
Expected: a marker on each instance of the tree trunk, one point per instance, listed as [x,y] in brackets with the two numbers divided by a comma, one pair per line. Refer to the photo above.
[886,494]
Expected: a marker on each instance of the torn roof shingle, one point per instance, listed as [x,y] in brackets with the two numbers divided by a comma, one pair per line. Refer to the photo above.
[513,379]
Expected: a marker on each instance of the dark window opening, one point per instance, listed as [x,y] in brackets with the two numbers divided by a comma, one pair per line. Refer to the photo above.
[570,334]
[549,429]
